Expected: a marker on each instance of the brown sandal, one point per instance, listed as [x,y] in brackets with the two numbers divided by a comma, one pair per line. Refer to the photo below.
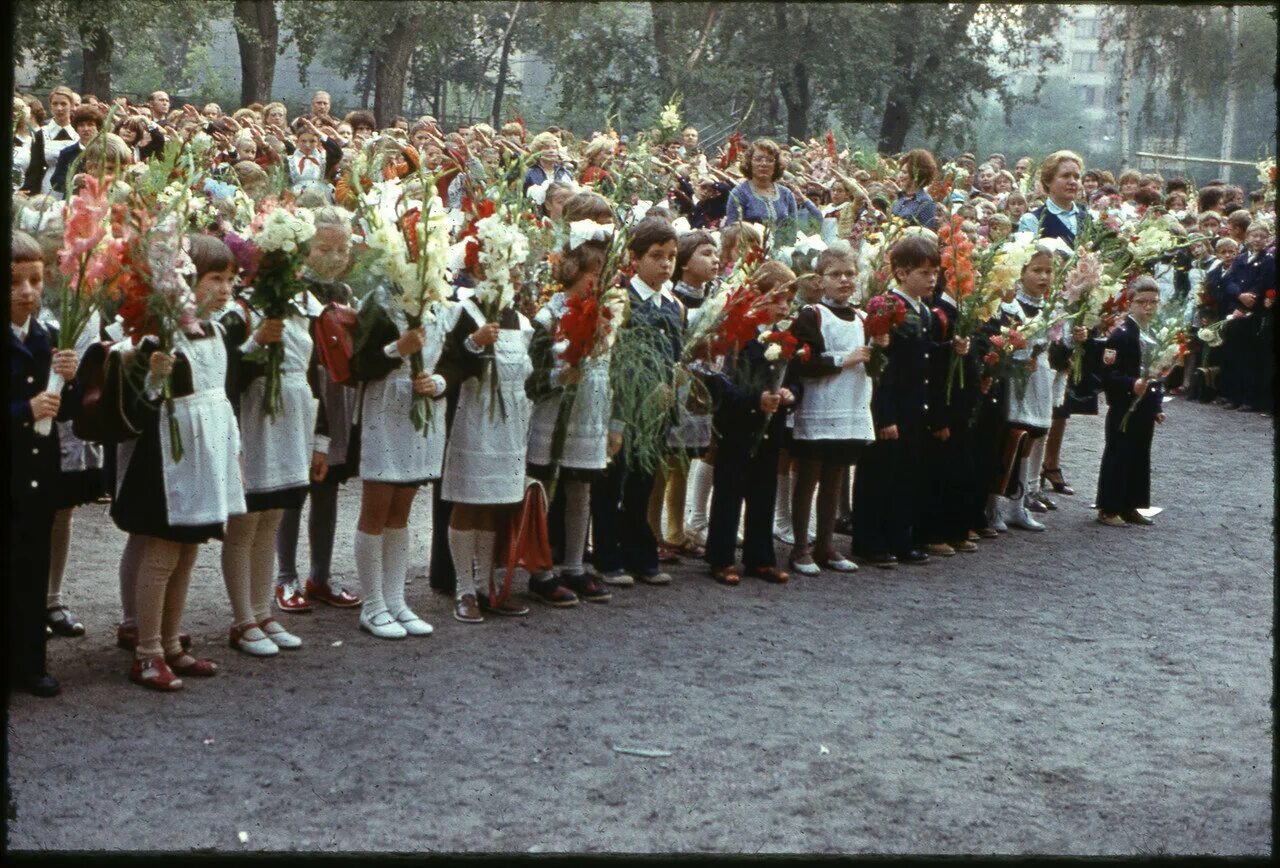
[726,575]
[197,667]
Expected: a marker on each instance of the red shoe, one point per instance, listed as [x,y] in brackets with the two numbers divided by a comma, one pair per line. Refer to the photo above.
[289,598]
[127,638]
[155,674]
[197,667]
[343,599]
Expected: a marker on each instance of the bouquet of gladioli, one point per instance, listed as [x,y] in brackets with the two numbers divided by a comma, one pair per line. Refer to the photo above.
[976,302]
[89,262]
[1163,343]
[1086,289]
[279,235]
[421,280]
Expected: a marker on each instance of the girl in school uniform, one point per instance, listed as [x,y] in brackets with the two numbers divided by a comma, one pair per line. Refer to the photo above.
[584,454]
[484,464]
[395,457]
[328,258]
[833,410]
[175,504]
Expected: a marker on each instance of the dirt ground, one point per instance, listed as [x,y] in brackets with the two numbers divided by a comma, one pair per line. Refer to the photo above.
[1083,691]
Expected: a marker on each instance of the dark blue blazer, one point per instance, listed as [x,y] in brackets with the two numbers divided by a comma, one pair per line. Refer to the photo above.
[1052,227]
[58,180]
[1119,376]
[34,461]
[902,393]
[736,392]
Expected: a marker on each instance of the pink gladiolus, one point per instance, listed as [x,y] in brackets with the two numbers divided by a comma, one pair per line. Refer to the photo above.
[1087,274]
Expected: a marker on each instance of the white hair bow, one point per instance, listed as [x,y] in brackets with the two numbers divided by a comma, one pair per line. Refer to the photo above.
[582,231]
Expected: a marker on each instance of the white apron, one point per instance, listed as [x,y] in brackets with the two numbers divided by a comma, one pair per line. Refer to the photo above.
[1031,403]
[586,435]
[277,453]
[391,449]
[484,461]
[205,487]
[838,406]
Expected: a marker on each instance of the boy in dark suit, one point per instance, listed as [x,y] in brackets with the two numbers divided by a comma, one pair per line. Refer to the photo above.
[888,487]
[1124,480]
[35,461]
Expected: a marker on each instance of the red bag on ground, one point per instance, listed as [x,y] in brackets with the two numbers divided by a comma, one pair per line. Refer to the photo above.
[525,544]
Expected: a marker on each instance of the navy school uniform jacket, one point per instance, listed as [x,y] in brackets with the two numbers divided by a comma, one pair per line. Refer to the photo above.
[901,396]
[34,461]
[1250,272]
[1119,376]
[956,413]
[736,391]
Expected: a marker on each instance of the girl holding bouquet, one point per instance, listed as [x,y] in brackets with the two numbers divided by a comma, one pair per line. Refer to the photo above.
[833,415]
[586,424]
[281,453]
[328,259]
[1028,402]
[175,493]
[396,457]
[485,365]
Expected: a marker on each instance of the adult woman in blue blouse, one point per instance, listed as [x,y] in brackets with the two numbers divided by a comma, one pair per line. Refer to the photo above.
[760,199]
[916,172]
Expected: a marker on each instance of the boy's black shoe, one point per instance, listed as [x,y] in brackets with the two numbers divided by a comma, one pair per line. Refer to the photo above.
[60,620]
[913,556]
[549,590]
[44,686]
[587,586]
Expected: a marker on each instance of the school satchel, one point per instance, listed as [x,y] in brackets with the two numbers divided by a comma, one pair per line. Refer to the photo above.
[335,337]
[102,417]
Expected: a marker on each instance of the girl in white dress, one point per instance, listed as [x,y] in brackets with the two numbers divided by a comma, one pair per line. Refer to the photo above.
[395,456]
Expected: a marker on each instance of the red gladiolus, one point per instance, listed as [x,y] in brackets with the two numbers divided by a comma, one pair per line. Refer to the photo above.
[1017,340]
[578,326]
[409,226]
[997,341]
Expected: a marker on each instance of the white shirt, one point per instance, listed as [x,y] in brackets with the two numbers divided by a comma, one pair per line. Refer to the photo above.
[20,332]
[648,293]
[912,304]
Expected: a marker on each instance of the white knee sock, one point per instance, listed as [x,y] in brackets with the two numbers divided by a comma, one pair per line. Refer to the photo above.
[59,545]
[262,563]
[486,545]
[700,474]
[782,506]
[462,546]
[1035,459]
[395,566]
[369,569]
[577,515]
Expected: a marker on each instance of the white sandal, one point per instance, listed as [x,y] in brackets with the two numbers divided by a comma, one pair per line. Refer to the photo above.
[412,624]
[241,639]
[383,625]
[278,634]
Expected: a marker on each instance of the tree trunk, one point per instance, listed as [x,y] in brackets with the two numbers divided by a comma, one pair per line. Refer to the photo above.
[896,121]
[366,81]
[1233,90]
[799,98]
[1124,88]
[503,61]
[392,58]
[713,12]
[664,24]
[97,48]
[258,33]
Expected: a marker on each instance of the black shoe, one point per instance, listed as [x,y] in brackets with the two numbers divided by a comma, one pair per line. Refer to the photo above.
[549,590]
[883,560]
[913,556]
[587,586]
[60,620]
[44,686]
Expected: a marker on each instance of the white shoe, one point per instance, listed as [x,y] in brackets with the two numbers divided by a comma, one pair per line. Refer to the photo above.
[995,513]
[842,565]
[278,634]
[806,569]
[251,640]
[784,535]
[1020,518]
[382,625]
[412,624]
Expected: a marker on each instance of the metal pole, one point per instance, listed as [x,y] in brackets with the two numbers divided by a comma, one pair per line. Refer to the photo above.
[1178,157]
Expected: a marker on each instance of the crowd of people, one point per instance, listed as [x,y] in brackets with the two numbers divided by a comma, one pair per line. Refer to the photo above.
[602,356]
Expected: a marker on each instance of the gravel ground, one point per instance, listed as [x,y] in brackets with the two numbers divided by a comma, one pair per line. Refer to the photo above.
[1084,691]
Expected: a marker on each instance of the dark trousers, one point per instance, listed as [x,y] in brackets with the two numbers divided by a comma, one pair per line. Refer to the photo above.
[620,532]
[887,491]
[444,578]
[30,529]
[738,477]
[1124,480]
[951,501]
[1238,379]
